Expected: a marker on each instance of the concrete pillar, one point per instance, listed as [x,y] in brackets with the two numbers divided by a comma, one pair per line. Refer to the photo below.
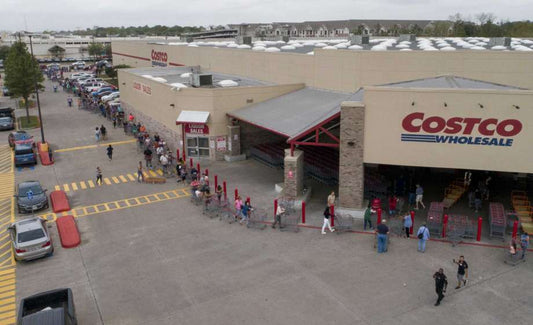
[294,173]
[351,165]
[234,140]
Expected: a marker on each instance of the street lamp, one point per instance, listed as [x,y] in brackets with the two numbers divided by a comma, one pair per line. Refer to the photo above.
[37,95]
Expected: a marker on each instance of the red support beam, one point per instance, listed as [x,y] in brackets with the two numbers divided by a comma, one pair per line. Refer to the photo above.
[330,134]
[333,145]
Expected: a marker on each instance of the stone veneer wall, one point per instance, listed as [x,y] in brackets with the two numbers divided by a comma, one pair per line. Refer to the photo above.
[351,164]
[295,165]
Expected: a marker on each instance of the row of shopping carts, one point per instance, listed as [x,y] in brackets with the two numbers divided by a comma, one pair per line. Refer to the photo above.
[497,220]
[459,227]
[453,192]
[523,209]
[434,220]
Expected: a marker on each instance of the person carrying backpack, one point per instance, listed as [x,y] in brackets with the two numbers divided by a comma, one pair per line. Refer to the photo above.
[423,237]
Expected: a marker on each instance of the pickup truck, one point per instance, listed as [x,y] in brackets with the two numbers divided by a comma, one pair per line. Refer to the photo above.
[54,307]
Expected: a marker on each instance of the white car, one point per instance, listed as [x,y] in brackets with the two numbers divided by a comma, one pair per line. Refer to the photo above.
[78,64]
[89,80]
[30,239]
[111,96]
[95,88]
[79,75]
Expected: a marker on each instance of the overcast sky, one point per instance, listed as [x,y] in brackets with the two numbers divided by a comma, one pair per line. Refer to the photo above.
[38,15]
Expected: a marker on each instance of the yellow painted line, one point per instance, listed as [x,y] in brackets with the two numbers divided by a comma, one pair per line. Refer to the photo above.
[57,188]
[92,146]
[91,184]
[6,243]
[115,180]
[130,176]
[7,282]
[5,224]
[145,174]
[107,181]
[4,272]
[7,294]
[153,173]
[123,179]
[7,277]
[8,321]
[160,172]
[66,188]
[8,288]
[74,186]
[8,314]
[5,253]
[7,301]
[9,307]
[83,185]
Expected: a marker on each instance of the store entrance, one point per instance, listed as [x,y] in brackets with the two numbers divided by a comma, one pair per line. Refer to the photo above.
[197,146]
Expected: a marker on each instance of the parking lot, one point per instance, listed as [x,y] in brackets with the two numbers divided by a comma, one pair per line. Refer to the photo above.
[160,261]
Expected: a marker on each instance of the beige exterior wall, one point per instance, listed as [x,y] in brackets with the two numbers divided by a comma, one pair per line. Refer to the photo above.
[341,70]
[387,107]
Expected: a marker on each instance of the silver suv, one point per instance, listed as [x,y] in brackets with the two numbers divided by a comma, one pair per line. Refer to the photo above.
[30,239]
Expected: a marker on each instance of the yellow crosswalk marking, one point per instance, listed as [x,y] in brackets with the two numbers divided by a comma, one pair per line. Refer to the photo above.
[57,188]
[74,186]
[160,172]
[7,301]
[7,294]
[123,179]
[8,321]
[66,188]
[153,173]
[91,184]
[7,277]
[130,176]
[107,181]
[7,308]
[8,288]
[8,314]
[83,185]
[115,179]
[9,271]
[7,282]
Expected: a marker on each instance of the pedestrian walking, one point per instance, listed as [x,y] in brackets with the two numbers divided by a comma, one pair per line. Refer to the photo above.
[524,242]
[331,199]
[279,213]
[419,196]
[98,176]
[69,101]
[238,207]
[423,237]
[368,217]
[246,210]
[114,121]
[441,284]
[103,130]
[462,271]
[382,232]
[110,152]
[140,175]
[97,134]
[326,223]
[407,224]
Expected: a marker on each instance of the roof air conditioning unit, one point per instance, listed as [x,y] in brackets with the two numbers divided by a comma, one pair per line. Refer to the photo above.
[502,41]
[407,37]
[360,39]
[201,80]
[247,40]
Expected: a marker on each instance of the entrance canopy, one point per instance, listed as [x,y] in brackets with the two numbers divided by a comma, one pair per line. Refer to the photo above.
[198,117]
[295,114]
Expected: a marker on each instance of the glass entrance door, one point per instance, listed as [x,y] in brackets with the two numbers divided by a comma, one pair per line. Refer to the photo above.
[197,146]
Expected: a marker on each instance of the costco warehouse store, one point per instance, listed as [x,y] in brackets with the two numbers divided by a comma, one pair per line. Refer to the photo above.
[341,117]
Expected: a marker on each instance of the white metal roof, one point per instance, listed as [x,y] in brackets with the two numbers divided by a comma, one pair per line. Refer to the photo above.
[192,117]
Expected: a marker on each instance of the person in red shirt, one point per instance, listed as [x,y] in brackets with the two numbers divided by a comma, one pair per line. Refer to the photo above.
[393,200]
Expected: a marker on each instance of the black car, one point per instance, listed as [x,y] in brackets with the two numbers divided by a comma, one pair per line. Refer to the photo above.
[37,200]
[6,123]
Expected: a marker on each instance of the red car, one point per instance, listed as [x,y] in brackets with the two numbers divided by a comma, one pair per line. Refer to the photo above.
[20,137]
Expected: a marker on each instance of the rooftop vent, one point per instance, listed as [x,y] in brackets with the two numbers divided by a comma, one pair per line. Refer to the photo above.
[360,39]
[501,41]
[201,80]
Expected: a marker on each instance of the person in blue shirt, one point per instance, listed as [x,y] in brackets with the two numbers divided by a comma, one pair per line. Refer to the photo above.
[246,209]
[423,237]
[524,242]
[407,224]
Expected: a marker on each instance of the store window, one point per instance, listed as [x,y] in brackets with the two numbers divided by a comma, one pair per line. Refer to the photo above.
[197,146]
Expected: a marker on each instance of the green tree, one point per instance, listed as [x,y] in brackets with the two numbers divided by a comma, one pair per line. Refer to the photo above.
[112,71]
[95,49]
[22,70]
[4,51]
[57,51]
[108,51]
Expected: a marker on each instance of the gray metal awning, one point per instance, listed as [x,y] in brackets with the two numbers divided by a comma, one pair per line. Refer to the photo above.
[199,117]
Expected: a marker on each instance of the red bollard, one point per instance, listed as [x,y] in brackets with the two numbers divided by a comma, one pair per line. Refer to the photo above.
[198,169]
[177,155]
[206,172]
[412,222]
[275,208]
[236,194]
[379,215]
[303,211]
[225,192]
[515,228]
[332,212]
[247,199]
[479,224]
[216,182]
[190,161]
[444,225]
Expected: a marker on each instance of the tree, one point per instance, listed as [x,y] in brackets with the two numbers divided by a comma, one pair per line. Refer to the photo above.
[4,51]
[95,49]
[108,51]
[57,51]
[22,70]
[112,72]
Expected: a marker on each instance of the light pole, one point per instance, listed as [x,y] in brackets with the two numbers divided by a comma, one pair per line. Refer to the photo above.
[37,95]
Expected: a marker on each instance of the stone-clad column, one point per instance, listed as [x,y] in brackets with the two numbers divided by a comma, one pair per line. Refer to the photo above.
[351,165]
[294,173]
[234,140]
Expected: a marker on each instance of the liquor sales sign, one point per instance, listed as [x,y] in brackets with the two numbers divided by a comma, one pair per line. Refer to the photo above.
[459,130]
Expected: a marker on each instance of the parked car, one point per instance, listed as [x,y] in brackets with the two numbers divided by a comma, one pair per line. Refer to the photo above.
[111,96]
[55,307]
[30,239]
[101,90]
[78,65]
[25,154]
[37,201]
[89,80]
[19,137]
[7,123]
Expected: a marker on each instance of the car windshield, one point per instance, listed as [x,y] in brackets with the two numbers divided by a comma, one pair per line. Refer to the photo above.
[5,119]
[36,189]
[30,235]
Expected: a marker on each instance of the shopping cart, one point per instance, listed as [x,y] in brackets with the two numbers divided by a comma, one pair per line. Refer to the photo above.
[497,220]
[343,223]
[289,221]
[257,219]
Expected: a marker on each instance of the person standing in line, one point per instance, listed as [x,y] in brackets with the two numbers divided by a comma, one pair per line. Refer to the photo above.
[279,212]
[368,217]
[326,223]
[331,199]
[97,134]
[393,201]
[423,237]
[524,242]
[110,152]
[103,131]
[140,175]
[407,224]
[114,121]
[219,192]
[462,271]
[419,196]
[382,232]
[98,176]
[246,210]
[148,158]
[441,284]
[238,207]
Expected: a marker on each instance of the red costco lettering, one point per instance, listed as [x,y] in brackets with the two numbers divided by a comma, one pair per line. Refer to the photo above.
[415,122]
[159,56]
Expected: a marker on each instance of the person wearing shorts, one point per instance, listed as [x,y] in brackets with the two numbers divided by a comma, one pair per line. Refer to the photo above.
[462,271]
[419,196]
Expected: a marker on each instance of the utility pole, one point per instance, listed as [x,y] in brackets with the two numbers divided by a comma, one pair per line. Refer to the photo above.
[37,95]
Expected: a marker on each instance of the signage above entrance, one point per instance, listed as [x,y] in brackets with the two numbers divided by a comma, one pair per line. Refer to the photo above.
[159,58]
[196,128]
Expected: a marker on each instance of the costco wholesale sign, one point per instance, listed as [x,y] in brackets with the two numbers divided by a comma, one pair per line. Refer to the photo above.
[159,59]
[458,130]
